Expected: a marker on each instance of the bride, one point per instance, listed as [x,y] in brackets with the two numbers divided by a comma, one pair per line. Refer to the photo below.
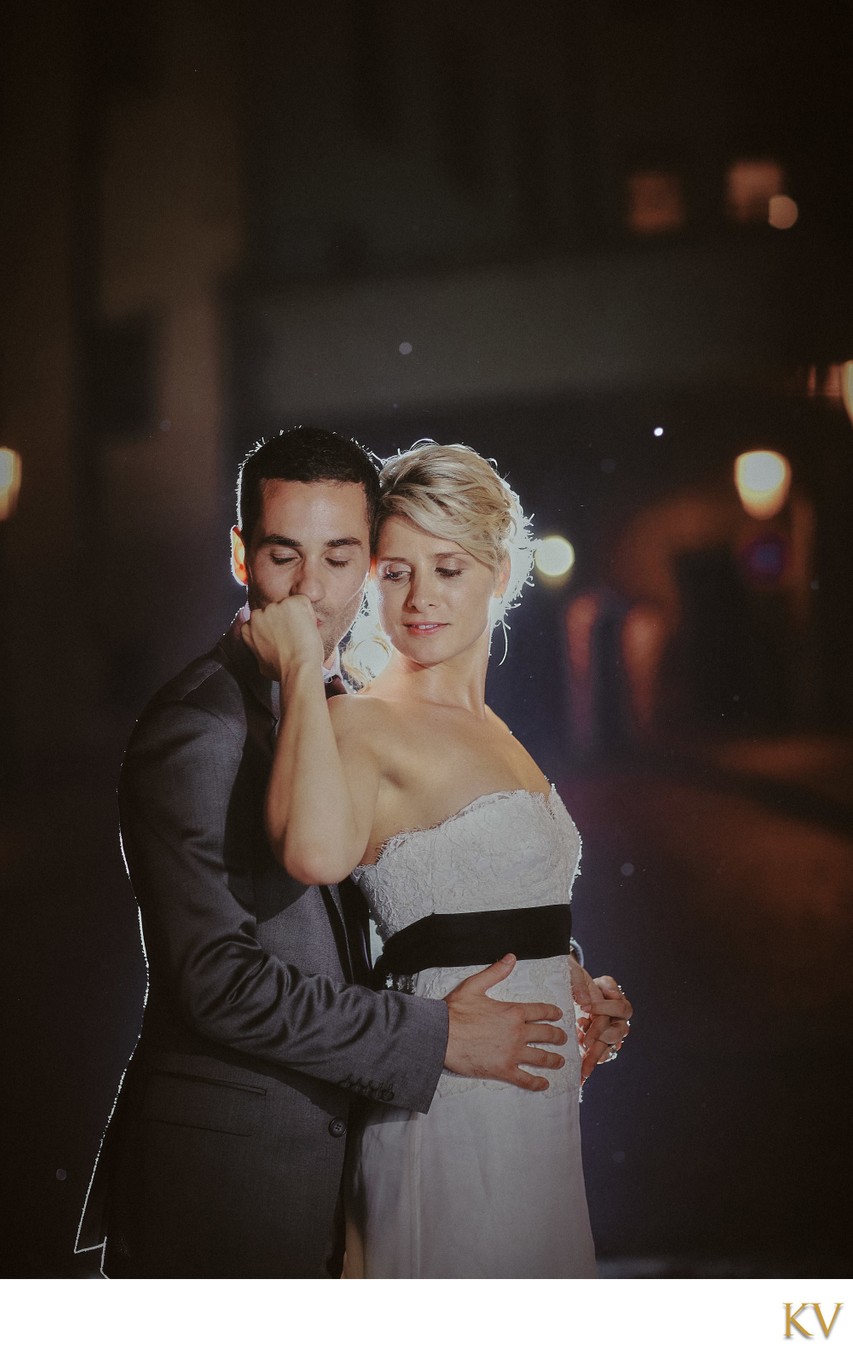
[464,852]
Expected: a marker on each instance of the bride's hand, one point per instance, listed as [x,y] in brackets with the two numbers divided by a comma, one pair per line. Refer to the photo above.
[605,1017]
[283,635]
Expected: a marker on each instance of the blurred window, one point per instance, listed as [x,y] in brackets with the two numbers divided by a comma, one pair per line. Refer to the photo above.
[655,202]
[750,185]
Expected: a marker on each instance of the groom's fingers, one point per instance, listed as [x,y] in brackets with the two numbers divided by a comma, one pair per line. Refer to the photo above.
[612,1008]
[606,1025]
[603,1041]
[543,1060]
[540,1012]
[492,975]
[608,985]
[488,978]
[608,1021]
[590,1060]
[522,1080]
[602,1019]
[544,1034]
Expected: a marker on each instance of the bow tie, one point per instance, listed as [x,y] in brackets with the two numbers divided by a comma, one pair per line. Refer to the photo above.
[334,686]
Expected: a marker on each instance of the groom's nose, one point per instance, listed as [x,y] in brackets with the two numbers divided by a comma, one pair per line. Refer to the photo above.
[307,581]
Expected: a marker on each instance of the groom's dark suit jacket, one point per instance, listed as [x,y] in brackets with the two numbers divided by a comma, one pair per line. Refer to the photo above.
[225,1150]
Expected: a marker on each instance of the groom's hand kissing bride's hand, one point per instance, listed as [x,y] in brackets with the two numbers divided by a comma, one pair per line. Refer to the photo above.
[489,1039]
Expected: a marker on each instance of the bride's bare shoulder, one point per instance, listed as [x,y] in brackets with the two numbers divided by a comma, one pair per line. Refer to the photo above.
[497,722]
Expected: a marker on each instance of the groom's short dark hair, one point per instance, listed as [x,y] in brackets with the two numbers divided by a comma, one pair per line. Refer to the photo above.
[305,454]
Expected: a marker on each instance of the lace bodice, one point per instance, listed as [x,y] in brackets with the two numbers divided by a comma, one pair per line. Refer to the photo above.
[512,849]
[508,850]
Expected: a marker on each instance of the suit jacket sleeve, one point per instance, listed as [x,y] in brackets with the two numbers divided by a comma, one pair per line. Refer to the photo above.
[180,793]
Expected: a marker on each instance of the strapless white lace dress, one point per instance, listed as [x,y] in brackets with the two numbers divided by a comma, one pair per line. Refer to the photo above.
[488,1183]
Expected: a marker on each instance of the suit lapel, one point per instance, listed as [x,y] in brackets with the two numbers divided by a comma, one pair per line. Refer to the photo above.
[341,930]
[356,919]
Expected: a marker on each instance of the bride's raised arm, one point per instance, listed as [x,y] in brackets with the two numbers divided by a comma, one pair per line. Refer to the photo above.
[322,793]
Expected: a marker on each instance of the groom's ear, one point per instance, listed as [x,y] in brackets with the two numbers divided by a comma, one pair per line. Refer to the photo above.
[238,556]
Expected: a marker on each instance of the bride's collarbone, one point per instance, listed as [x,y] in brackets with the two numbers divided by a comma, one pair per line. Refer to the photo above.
[430,755]
[428,786]
[421,724]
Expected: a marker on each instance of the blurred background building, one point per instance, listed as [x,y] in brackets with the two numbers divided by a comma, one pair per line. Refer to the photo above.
[607,244]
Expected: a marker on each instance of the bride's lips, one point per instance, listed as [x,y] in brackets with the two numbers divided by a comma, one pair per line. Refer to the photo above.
[424,628]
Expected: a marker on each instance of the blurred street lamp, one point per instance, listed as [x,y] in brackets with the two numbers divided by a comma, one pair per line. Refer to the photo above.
[751,185]
[847,387]
[10,482]
[782,212]
[763,480]
[554,559]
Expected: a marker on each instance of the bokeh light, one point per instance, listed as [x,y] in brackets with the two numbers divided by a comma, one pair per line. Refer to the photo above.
[782,211]
[554,558]
[762,479]
[751,184]
[10,482]
[847,387]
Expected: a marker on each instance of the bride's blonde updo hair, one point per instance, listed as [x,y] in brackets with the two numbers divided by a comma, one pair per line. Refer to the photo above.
[452,492]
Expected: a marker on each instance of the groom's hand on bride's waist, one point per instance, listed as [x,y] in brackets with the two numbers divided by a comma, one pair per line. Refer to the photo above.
[489,1039]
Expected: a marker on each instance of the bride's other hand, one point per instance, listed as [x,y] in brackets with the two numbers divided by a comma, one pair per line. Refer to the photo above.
[489,1039]
[284,634]
[606,1018]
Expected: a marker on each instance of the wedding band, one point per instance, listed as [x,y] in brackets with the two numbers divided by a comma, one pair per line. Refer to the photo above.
[614,1051]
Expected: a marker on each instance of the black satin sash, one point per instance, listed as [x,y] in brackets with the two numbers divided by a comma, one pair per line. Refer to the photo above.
[450,939]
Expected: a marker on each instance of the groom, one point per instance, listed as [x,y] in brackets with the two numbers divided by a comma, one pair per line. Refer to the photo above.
[225,1150]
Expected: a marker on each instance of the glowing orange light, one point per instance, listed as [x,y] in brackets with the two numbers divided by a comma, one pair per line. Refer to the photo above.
[10,482]
[750,186]
[847,387]
[763,480]
[782,211]
[655,202]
